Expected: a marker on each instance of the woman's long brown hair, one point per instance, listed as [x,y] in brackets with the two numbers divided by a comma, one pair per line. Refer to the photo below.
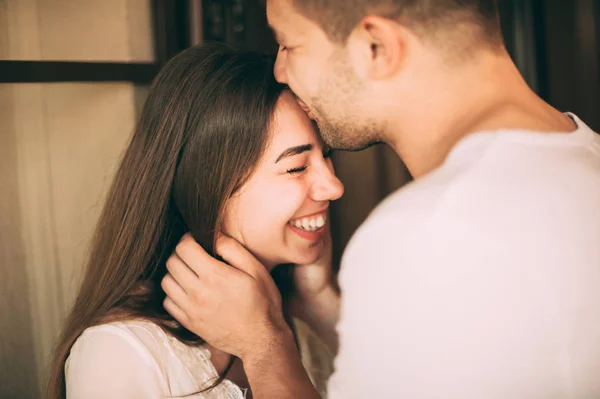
[202,131]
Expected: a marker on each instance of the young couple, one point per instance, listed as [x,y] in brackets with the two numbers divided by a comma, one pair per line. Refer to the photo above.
[480,279]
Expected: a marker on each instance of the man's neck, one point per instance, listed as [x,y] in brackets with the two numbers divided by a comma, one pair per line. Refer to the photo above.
[484,95]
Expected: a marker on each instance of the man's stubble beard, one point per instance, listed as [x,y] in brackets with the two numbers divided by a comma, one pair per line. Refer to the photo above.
[335,109]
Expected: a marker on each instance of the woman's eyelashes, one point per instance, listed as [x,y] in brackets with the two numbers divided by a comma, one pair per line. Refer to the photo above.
[296,171]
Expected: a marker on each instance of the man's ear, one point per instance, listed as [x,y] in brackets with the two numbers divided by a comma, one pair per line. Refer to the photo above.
[377,47]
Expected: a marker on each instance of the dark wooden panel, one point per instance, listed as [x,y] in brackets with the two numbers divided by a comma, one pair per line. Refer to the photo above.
[59,71]
[172,25]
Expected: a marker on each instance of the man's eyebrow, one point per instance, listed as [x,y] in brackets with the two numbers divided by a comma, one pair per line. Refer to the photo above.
[290,152]
[275,33]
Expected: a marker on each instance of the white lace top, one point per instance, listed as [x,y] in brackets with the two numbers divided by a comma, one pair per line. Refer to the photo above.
[137,359]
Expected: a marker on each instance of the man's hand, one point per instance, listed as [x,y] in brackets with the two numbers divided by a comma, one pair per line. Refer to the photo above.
[237,308]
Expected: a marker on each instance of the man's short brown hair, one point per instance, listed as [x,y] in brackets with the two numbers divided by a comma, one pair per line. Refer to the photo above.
[435,19]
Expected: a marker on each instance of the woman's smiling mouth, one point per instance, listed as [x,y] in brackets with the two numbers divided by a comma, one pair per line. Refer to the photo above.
[310,227]
[310,223]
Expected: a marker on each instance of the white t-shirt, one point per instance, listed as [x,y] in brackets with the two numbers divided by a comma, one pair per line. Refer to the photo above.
[480,280]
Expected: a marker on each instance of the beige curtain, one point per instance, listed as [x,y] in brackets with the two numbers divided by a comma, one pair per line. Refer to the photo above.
[59,144]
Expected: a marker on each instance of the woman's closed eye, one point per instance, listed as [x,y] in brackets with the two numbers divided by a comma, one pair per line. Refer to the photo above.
[296,171]
[327,151]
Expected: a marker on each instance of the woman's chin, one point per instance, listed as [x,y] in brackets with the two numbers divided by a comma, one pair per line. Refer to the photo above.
[306,257]
[299,256]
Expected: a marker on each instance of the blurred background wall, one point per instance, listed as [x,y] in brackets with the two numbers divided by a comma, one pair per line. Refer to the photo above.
[73,75]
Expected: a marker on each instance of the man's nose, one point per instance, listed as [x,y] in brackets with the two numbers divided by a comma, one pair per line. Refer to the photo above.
[279,69]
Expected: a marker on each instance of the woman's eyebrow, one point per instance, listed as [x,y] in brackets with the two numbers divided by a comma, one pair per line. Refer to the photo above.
[290,152]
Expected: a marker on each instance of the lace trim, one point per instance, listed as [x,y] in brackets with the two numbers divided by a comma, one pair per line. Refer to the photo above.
[195,361]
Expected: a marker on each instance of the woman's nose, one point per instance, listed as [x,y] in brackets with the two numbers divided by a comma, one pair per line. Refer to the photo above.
[327,187]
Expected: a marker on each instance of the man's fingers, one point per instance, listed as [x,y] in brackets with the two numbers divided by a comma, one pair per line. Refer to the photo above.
[173,289]
[182,273]
[195,257]
[237,256]
[175,311]
[240,258]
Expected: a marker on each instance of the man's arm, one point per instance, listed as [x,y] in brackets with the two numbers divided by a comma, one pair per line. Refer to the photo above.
[236,308]
[276,371]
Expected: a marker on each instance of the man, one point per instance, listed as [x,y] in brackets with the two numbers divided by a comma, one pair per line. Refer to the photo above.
[480,279]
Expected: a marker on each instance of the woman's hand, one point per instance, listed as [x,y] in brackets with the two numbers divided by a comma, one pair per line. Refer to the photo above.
[316,299]
[312,279]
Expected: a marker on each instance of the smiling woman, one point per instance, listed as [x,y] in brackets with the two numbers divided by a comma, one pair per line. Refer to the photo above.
[220,147]
[294,181]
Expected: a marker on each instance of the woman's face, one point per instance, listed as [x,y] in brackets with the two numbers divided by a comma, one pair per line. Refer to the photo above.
[280,214]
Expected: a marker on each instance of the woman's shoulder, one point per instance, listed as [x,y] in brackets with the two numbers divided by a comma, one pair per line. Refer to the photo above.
[147,341]
[144,337]
[117,359]
[145,346]
[139,328]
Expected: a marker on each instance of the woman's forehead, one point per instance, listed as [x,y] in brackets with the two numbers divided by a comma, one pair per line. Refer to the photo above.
[290,126]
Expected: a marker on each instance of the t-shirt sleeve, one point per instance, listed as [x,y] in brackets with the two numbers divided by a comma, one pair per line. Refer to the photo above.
[108,363]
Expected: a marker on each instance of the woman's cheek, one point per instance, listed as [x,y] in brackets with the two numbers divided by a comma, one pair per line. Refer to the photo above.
[296,195]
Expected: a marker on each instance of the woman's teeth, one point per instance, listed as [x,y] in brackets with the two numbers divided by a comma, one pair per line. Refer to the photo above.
[312,223]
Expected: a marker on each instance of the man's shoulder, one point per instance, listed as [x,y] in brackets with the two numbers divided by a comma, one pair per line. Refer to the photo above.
[404,213]
[417,199]
[517,165]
